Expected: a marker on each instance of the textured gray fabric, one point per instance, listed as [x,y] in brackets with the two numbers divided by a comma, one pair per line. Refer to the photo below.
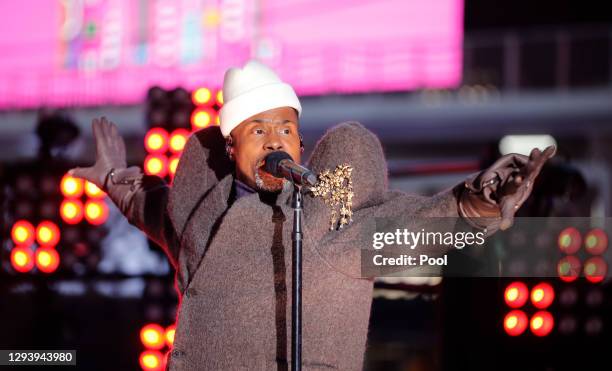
[234,265]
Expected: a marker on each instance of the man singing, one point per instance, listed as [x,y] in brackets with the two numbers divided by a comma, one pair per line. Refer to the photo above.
[226,228]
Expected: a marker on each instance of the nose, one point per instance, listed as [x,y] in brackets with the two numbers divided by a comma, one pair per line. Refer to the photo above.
[273,143]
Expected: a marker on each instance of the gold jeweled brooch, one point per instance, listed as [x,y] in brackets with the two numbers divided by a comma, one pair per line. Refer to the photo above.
[336,189]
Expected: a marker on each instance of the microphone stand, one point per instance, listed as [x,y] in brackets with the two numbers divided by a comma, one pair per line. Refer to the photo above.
[296,292]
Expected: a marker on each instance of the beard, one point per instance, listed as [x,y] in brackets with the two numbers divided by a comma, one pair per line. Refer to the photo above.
[267,182]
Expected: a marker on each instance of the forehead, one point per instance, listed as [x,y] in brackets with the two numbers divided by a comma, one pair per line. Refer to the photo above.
[275,114]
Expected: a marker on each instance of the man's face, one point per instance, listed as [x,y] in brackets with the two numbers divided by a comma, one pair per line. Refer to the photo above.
[258,136]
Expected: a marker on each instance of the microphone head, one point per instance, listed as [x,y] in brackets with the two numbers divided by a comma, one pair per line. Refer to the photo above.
[273,160]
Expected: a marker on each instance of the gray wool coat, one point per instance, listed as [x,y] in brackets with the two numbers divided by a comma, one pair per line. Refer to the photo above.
[233,264]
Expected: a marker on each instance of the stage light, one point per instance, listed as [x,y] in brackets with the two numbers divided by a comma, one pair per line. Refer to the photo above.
[173,164]
[567,325]
[96,212]
[217,120]
[178,139]
[71,187]
[516,294]
[542,295]
[219,97]
[71,211]
[156,140]
[569,240]
[151,360]
[156,165]
[170,330]
[541,323]
[595,269]
[201,118]
[22,233]
[568,296]
[93,191]
[515,322]
[201,96]
[568,268]
[152,336]
[47,234]
[596,241]
[47,259]
[22,259]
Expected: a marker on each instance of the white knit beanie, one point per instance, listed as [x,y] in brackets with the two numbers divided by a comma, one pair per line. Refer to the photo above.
[250,90]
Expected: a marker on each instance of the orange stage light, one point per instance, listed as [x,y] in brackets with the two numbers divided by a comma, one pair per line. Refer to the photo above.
[156,140]
[173,164]
[219,97]
[542,323]
[170,330]
[515,322]
[47,234]
[596,241]
[156,165]
[22,233]
[92,190]
[151,360]
[568,268]
[96,212]
[71,211]
[569,240]
[516,294]
[542,295]
[71,187]
[201,118]
[178,139]
[595,269]
[47,259]
[22,259]
[152,336]
[201,96]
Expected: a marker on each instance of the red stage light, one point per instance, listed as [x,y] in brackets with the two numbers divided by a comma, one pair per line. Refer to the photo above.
[515,322]
[170,330]
[568,268]
[22,259]
[151,360]
[542,323]
[542,295]
[156,140]
[71,211]
[595,269]
[71,187]
[178,139]
[569,240]
[219,97]
[152,336]
[201,118]
[92,190]
[22,233]
[201,96]
[47,259]
[516,294]
[47,234]
[156,165]
[173,164]
[596,241]
[96,212]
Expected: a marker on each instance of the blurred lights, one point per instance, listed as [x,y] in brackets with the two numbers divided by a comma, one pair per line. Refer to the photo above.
[47,260]
[596,241]
[595,269]
[568,268]
[515,322]
[201,118]
[156,140]
[152,336]
[220,97]
[22,259]
[156,165]
[22,233]
[151,360]
[569,240]
[71,211]
[96,212]
[47,234]
[170,330]
[516,294]
[523,144]
[541,323]
[92,190]
[178,139]
[542,295]
[201,96]
[71,187]
[173,164]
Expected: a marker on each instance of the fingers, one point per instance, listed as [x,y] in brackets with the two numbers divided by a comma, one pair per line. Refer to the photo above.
[87,173]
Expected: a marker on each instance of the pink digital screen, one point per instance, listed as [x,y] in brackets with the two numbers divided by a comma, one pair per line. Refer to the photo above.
[90,52]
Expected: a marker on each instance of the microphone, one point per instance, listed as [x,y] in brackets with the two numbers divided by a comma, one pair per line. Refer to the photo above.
[281,165]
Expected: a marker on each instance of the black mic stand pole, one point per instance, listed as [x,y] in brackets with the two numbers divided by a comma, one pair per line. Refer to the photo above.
[296,283]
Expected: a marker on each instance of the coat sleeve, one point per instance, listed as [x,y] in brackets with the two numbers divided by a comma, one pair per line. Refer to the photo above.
[143,199]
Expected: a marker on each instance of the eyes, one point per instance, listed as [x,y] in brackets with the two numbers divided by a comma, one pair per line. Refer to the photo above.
[258,130]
